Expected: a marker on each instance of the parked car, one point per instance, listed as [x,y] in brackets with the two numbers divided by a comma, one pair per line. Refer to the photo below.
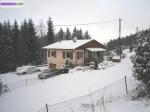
[51,73]
[43,75]
[64,70]
[27,70]
[46,70]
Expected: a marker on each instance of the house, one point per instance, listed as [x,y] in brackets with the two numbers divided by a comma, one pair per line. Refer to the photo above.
[79,52]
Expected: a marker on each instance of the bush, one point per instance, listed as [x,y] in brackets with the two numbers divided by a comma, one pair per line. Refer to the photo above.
[68,64]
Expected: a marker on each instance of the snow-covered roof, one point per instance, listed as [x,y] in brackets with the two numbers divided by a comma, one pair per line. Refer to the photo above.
[95,49]
[67,44]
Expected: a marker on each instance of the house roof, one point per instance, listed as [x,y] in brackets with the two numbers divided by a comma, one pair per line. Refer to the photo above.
[67,44]
[95,49]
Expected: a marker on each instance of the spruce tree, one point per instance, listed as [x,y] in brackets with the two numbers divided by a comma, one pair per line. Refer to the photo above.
[22,51]
[60,35]
[86,35]
[68,34]
[74,34]
[6,50]
[142,62]
[50,32]
[1,49]
[32,44]
[79,34]
[15,43]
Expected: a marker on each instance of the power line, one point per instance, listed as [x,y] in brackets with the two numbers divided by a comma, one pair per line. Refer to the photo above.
[82,24]
[134,27]
[85,24]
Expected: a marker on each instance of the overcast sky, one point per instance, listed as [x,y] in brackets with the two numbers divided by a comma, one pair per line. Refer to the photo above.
[134,12]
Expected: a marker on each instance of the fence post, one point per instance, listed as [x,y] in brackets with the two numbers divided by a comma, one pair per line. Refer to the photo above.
[46,108]
[126,84]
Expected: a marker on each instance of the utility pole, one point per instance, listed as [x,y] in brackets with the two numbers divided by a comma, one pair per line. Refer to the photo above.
[120,27]
[120,52]
[137,29]
[126,84]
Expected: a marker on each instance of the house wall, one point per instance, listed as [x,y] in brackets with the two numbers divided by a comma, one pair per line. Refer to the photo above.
[59,60]
[78,61]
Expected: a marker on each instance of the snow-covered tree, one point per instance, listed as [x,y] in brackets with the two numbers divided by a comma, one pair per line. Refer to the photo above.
[141,63]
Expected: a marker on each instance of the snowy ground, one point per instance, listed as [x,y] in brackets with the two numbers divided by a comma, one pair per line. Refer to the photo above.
[69,86]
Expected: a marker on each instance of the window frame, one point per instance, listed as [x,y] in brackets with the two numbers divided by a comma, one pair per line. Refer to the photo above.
[67,54]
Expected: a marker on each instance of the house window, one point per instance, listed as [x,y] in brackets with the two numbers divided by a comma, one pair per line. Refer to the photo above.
[49,53]
[79,55]
[52,54]
[67,54]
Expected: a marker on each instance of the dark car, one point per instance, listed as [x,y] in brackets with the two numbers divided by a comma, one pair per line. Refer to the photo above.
[51,73]
[43,75]
[64,70]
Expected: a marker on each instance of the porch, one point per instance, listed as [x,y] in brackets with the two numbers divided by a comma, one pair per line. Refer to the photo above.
[93,54]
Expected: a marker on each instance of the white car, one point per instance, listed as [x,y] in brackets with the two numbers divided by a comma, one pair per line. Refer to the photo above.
[27,70]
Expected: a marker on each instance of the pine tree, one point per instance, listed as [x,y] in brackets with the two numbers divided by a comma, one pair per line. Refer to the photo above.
[1,49]
[6,50]
[50,33]
[15,43]
[74,34]
[79,34]
[86,35]
[142,62]
[60,35]
[22,51]
[32,44]
[68,34]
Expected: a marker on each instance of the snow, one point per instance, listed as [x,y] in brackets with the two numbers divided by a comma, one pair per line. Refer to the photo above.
[68,86]
[15,81]
[67,44]
[116,57]
[145,44]
[27,70]
[95,49]
[129,106]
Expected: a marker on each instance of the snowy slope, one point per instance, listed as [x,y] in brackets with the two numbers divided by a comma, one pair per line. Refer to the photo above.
[129,106]
[62,88]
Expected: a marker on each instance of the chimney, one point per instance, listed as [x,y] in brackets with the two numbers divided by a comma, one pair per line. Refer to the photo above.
[74,39]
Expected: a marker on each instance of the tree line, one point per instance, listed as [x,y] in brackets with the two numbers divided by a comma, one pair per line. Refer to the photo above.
[124,41]
[130,40]
[21,45]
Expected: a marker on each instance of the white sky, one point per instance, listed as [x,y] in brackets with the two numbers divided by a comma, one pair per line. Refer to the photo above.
[135,12]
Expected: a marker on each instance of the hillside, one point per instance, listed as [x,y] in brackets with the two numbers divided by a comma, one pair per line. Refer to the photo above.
[132,39]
